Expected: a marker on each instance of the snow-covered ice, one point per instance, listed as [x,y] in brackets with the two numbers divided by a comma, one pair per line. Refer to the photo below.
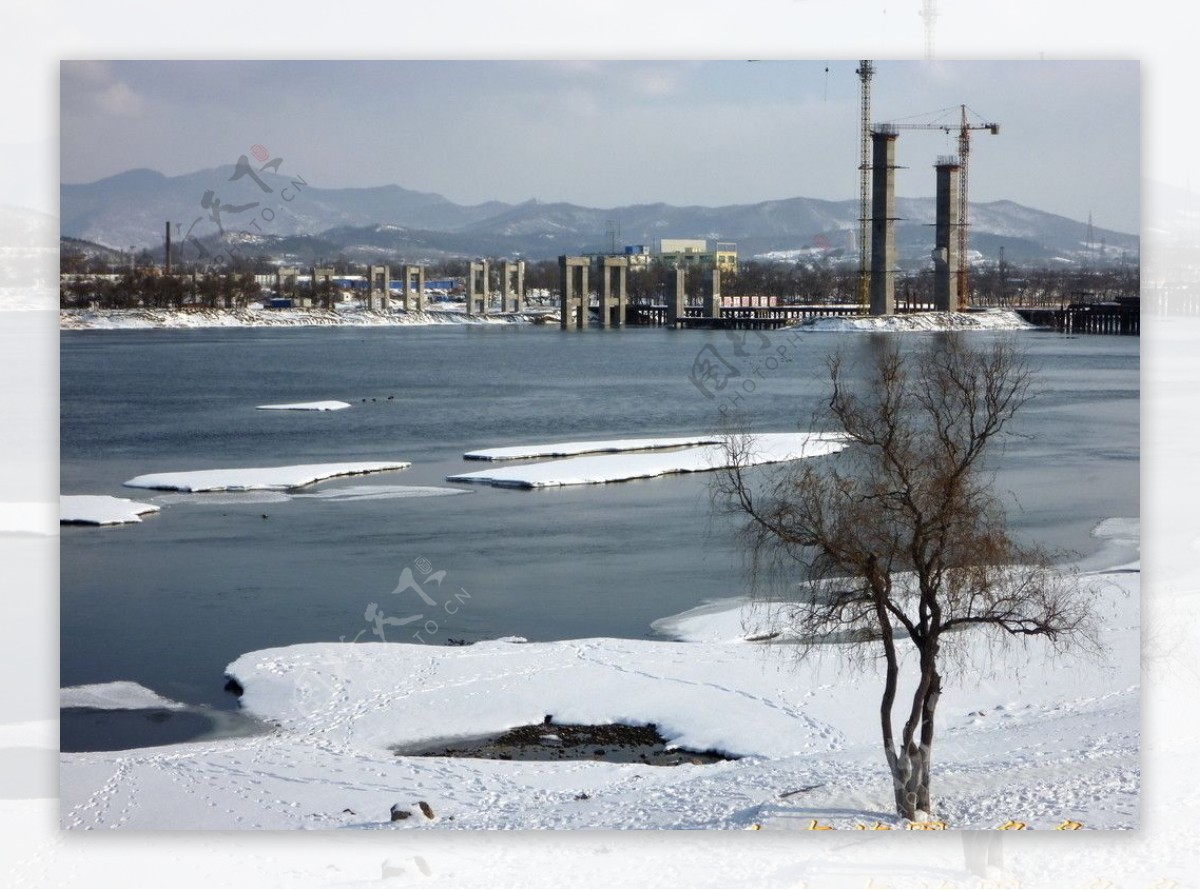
[119,695]
[274,478]
[100,509]
[989,320]
[571,449]
[587,470]
[381,492]
[307,406]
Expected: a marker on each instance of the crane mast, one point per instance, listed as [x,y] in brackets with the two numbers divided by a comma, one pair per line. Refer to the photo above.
[865,71]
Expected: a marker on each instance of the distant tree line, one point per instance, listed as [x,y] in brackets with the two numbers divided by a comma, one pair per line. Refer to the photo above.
[138,288]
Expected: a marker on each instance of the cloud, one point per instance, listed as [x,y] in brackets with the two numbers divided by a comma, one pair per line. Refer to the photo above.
[95,85]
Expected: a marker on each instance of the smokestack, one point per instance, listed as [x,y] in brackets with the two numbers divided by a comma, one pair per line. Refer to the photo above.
[167,264]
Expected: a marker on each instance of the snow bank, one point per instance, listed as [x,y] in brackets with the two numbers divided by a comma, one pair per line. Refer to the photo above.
[1038,745]
[277,478]
[95,509]
[120,695]
[990,320]
[570,449]
[307,406]
[142,319]
[767,448]
[363,688]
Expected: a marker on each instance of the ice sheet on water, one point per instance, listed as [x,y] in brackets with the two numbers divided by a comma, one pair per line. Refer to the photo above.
[94,509]
[120,695]
[382,492]
[306,406]
[244,479]
[594,469]
[570,449]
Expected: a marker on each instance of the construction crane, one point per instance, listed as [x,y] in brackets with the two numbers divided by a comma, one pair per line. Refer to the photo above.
[864,71]
[963,128]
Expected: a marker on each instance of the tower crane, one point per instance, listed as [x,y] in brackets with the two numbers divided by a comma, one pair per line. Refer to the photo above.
[864,71]
[963,128]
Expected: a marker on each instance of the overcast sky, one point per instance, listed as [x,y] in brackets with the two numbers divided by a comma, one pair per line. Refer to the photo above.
[614,133]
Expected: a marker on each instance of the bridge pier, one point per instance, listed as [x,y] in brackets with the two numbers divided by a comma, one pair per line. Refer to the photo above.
[512,285]
[676,296]
[573,286]
[413,278]
[883,218]
[946,297]
[712,294]
[478,288]
[613,274]
[378,282]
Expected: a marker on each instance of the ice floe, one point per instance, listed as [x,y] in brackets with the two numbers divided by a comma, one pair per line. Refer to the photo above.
[381,492]
[595,469]
[570,449]
[272,478]
[306,406]
[99,509]
[120,695]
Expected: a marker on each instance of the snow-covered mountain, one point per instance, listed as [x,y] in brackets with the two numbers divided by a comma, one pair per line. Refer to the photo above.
[131,208]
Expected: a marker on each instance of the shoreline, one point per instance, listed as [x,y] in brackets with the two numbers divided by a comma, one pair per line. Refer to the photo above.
[258,316]
[175,319]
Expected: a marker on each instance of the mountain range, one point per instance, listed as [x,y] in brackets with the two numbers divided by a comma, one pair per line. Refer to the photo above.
[286,216]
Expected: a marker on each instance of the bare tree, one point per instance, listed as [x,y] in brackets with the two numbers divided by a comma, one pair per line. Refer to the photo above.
[901,539]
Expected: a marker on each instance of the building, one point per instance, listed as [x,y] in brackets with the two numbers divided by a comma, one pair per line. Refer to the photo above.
[691,252]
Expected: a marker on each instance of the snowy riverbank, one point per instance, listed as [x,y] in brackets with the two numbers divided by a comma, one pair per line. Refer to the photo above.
[920,322]
[146,319]
[1033,741]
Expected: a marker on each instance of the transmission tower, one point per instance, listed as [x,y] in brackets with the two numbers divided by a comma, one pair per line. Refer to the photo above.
[929,13]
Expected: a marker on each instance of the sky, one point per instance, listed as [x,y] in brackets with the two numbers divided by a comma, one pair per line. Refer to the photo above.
[606,134]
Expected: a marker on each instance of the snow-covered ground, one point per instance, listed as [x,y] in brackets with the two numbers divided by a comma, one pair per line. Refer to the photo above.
[127,319]
[1032,741]
[628,464]
[250,478]
[990,320]
[100,509]
[330,405]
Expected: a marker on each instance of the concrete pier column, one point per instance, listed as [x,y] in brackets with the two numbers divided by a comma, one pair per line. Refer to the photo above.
[613,272]
[378,282]
[676,296]
[512,286]
[573,285]
[883,218]
[945,249]
[479,287]
[413,290]
[712,294]
[287,280]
